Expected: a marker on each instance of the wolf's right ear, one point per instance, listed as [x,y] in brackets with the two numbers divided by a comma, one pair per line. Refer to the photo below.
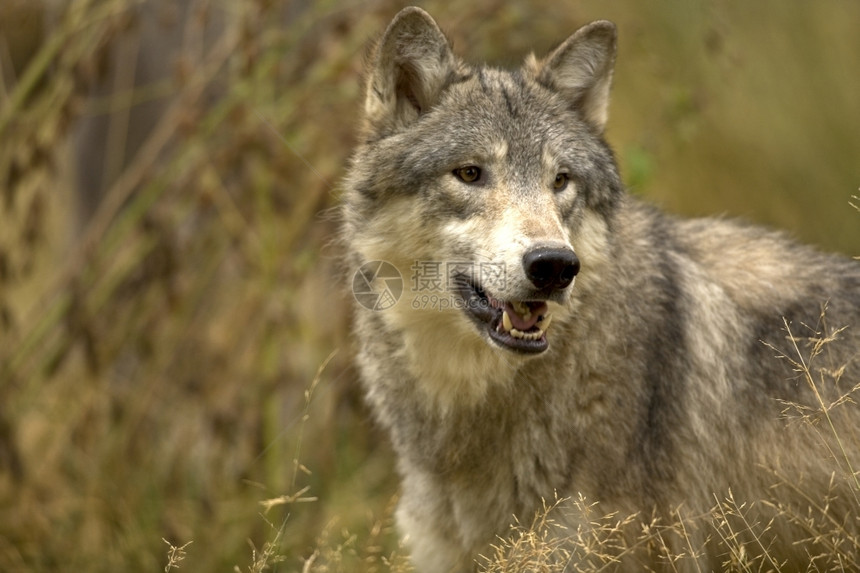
[407,71]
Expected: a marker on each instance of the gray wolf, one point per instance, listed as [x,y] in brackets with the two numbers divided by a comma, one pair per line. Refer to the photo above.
[678,351]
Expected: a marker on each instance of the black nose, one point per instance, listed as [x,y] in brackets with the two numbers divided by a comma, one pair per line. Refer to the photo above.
[552,268]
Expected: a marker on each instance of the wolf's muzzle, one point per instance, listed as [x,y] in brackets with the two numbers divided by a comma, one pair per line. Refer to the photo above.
[551,268]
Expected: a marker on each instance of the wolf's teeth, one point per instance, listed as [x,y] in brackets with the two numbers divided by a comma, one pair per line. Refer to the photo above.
[522,309]
[540,326]
[543,322]
[536,335]
[506,322]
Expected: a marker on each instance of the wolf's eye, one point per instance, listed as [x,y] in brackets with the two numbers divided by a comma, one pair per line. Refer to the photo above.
[561,181]
[468,174]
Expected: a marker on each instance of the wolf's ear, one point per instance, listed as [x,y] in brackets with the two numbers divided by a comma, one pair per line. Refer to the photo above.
[407,71]
[581,70]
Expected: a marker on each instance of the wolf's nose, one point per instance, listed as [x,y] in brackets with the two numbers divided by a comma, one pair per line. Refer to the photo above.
[551,267]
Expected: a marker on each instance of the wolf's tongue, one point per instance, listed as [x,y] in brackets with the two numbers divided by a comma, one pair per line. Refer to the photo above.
[525,315]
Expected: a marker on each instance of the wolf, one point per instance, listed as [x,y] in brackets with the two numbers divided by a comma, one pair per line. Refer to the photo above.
[651,365]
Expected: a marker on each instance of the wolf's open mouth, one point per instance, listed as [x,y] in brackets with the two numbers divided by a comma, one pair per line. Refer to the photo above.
[516,325]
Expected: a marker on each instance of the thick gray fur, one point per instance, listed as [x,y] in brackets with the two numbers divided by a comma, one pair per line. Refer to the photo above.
[670,376]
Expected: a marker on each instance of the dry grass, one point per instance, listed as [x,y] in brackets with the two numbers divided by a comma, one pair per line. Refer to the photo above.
[168,372]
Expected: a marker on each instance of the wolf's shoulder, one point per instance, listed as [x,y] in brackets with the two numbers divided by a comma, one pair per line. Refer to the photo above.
[756,266]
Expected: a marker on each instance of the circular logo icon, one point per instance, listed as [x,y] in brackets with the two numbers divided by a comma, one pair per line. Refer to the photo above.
[377,285]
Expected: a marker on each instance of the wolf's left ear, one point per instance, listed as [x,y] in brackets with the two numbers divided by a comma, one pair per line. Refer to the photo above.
[407,71]
[581,70]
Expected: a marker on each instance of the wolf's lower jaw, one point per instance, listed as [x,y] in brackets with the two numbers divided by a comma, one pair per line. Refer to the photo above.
[518,326]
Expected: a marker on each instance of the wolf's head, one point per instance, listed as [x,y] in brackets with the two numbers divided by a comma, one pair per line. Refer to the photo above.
[491,190]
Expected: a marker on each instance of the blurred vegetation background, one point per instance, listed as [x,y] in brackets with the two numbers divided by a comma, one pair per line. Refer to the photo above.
[174,346]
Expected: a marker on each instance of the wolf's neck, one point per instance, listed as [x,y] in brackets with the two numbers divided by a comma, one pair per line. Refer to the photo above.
[453,373]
